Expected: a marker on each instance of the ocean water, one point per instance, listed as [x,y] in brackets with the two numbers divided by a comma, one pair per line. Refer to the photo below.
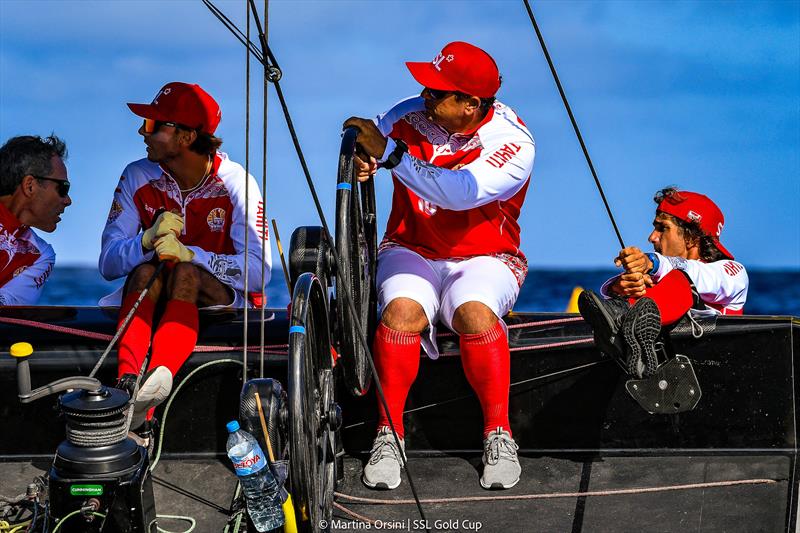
[770,293]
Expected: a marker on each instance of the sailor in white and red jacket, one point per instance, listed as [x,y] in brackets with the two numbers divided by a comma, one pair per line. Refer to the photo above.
[461,164]
[185,205]
[34,192]
[690,271]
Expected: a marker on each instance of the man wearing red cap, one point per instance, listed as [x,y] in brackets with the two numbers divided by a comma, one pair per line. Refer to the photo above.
[184,204]
[461,163]
[690,270]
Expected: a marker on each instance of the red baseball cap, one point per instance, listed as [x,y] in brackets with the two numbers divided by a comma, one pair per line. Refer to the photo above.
[698,208]
[183,103]
[459,67]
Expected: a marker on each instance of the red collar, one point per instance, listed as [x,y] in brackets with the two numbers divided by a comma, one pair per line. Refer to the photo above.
[9,222]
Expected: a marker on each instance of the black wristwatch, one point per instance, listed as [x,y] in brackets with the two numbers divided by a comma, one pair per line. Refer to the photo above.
[396,156]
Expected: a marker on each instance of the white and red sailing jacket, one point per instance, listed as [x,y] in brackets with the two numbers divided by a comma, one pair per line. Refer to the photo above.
[457,195]
[26,261]
[721,285]
[214,222]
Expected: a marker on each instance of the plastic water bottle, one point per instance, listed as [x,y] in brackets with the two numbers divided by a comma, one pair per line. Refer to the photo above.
[260,488]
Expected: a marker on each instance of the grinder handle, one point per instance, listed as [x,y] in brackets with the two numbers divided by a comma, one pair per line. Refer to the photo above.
[21,351]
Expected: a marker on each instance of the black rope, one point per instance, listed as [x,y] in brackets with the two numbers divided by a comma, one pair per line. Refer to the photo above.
[574,123]
[262,332]
[245,328]
[241,37]
[274,76]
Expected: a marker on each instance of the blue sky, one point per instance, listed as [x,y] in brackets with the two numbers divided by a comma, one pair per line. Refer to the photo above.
[704,95]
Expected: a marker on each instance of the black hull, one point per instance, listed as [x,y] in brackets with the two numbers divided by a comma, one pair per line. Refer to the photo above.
[566,400]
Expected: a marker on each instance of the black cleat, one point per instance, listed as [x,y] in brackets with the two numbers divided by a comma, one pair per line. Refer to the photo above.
[641,328]
[605,317]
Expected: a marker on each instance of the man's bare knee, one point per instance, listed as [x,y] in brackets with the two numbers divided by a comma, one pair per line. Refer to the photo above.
[184,282]
[473,317]
[404,314]
[140,277]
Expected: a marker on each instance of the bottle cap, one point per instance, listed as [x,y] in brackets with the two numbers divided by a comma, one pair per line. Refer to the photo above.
[233,426]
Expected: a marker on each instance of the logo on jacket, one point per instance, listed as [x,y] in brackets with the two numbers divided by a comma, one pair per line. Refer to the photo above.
[426,207]
[114,212]
[216,219]
[19,271]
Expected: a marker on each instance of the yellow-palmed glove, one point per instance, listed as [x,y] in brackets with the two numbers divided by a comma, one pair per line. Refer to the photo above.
[169,248]
[167,222]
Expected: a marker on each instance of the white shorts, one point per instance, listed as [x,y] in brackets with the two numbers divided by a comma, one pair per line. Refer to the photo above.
[441,286]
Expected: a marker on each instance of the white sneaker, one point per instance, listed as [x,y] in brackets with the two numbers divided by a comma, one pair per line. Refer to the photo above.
[501,465]
[382,471]
[156,386]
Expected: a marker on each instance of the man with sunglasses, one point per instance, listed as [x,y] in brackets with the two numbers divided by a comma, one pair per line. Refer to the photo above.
[185,205]
[461,163]
[34,192]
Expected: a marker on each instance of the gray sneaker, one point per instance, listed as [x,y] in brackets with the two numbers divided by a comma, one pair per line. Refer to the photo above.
[382,471]
[156,386]
[501,468]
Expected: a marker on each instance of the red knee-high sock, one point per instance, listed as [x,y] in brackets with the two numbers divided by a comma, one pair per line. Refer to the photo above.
[487,365]
[397,357]
[673,296]
[176,335]
[135,341]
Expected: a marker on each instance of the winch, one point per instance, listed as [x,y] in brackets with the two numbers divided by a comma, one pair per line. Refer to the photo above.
[99,480]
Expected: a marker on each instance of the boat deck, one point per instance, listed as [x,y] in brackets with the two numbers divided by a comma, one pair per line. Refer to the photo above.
[545,499]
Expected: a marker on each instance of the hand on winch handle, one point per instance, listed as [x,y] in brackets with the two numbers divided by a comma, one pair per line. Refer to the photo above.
[167,222]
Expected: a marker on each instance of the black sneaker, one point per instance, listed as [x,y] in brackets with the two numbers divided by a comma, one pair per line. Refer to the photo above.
[127,383]
[605,317]
[641,328]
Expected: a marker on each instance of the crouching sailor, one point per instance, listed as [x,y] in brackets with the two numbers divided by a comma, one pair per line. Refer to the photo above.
[34,192]
[461,164]
[184,204]
[690,271]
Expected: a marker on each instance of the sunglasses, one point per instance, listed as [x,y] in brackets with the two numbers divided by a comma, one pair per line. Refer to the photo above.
[437,94]
[62,186]
[151,126]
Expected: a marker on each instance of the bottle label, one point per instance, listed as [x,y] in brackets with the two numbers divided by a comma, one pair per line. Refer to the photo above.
[250,463]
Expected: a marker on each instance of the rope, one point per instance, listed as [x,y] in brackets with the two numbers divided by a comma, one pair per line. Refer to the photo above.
[263,209]
[546,322]
[574,123]
[70,515]
[274,349]
[192,522]
[281,349]
[526,325]
[274,76]
[172,398]
[246,193]
[544,496]
[354,514]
